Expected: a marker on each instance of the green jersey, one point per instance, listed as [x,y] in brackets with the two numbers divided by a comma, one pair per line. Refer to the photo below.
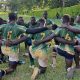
[40,36]
[29,25]
[49,22]
[11,31]
[69,36]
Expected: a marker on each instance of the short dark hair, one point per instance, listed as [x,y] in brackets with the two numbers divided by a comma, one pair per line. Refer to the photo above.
[66,18]
[12,16]
[20,17]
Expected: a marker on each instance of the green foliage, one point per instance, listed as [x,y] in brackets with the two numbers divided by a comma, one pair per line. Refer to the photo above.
[20,5]
[73,11]
[71,2]
[55,3]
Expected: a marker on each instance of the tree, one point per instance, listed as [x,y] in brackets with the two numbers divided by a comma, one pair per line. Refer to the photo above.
[55,3]
[20,5]
[71,2]
[13,5]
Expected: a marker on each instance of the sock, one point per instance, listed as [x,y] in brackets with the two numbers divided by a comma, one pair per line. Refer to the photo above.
[2,73]
[31,59]
[54,61]
[32,62]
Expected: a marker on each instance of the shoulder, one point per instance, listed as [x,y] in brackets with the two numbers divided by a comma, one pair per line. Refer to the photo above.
[76,26]
[58,29]
[49,21]
[3,25]
[19,27]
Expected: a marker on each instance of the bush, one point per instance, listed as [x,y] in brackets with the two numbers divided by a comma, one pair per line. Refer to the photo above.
[73,11]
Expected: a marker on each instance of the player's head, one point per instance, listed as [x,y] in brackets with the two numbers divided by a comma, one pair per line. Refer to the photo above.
[66,19]
[72,21]
[41,22]
[20,20]
[33,20]
[78,19]
[12,16]
[45,15]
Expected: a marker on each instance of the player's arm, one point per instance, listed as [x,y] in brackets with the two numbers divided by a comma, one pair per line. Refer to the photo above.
[70,28]
[59,39]
[40,29]
[18,41]
[22,29]
[48,38]
[62,40]
[36,30]
[77,47]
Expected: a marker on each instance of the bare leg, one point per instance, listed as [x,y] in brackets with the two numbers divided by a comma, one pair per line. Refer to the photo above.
[54,60]
[69,68]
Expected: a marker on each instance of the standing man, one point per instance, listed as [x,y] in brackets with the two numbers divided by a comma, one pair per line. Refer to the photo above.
[76,29]
[45,17]
[11,31]
[31,24]
[48,22]
[64,49]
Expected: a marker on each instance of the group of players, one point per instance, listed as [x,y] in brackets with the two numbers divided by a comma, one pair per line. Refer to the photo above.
[41,38]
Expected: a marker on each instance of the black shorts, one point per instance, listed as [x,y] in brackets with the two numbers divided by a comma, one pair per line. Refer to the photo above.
[13,64]
[64,54]
[42,69]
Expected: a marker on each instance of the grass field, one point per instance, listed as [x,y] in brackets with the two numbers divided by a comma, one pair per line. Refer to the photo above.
[23,72]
